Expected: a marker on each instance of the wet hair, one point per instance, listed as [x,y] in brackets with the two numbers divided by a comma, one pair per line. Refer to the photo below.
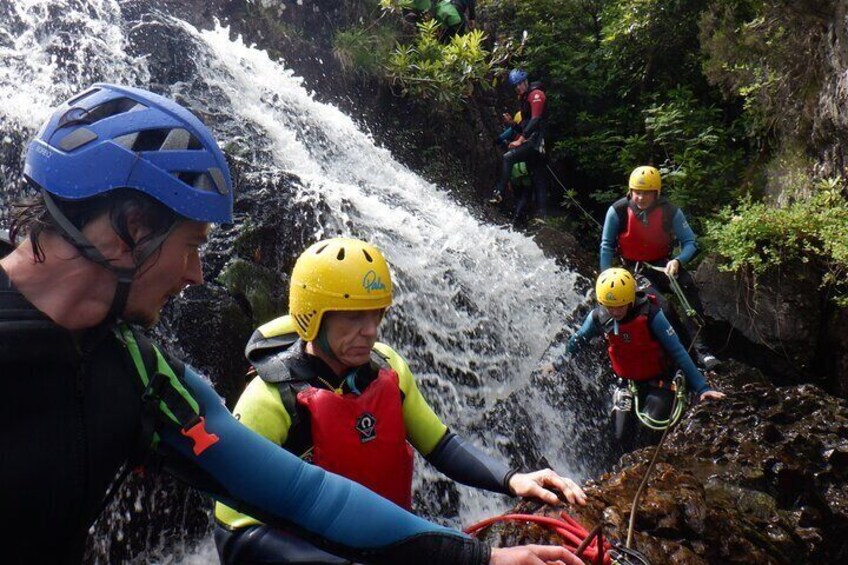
[31,218]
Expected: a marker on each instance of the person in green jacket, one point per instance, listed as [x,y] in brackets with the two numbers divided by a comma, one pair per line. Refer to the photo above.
[456,16]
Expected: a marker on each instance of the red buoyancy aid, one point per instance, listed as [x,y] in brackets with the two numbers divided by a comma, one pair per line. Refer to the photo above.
[634,352]
[363,437]
[642,241]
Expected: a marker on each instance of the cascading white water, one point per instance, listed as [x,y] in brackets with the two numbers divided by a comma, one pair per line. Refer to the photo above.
[484,302]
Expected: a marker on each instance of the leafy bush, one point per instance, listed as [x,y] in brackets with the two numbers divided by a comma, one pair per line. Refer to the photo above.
[429,69]
[755,238]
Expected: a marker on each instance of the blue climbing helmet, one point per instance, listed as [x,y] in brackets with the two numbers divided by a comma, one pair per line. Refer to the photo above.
[112,137]
[516,77]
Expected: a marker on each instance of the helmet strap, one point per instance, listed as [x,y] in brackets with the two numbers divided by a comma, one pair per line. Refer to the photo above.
[75,237]
[324,343]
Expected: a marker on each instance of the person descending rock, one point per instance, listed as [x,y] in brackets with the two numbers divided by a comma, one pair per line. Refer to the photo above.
[455,16]
[644,350]
[643,228]
[417,11]
[126,186]
[520,181]
[332,395]
[529,146]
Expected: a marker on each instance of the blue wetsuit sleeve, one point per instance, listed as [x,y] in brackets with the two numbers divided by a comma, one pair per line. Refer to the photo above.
[506,136]
[581,337]
[666,335]
[254,475]
[685,237]
[609,239]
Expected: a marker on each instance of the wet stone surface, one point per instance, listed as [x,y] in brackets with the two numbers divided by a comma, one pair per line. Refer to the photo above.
[757,478]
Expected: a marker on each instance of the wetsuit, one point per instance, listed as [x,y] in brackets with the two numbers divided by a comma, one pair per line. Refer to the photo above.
[521,179]
[649,353]
[533,127]
[74,416]
[266,406]
[651,234]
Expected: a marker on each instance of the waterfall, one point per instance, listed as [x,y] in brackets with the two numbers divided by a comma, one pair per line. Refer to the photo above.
[477,306]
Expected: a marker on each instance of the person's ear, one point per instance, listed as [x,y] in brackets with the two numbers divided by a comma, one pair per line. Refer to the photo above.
[136,229]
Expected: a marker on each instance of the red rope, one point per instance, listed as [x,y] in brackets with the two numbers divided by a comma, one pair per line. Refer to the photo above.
[569,529]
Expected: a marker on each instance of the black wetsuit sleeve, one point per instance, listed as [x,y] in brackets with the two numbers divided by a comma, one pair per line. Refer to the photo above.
[250,473]
[464,463]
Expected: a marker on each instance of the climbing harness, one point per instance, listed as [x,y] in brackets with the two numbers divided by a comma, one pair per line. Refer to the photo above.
[574,200]
[678,386]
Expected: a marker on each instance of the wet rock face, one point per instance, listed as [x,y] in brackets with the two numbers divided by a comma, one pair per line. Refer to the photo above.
[787,328]
[761,477]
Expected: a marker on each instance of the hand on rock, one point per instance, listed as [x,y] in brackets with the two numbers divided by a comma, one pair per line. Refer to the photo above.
[711,395]
[539,484]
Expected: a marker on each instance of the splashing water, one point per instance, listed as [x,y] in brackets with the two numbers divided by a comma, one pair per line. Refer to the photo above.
[477,307]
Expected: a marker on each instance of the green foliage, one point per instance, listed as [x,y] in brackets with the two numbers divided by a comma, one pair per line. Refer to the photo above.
[757,239]
[770,53]
[364,50]
[445,73]
[700,163]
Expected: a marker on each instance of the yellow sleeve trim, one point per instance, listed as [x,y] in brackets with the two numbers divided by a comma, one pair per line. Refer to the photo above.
[424,429]
[260,409]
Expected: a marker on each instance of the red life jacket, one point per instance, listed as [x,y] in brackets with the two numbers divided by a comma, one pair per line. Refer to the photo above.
[363,437]
[635,353]
[645,241]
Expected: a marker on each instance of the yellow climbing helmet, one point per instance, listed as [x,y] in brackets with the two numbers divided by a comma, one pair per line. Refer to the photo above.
[645,178]
[616,287]
[337,274]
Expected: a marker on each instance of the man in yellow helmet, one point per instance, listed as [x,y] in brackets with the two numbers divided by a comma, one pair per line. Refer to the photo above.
[644,227]
[643,348]
[331,394]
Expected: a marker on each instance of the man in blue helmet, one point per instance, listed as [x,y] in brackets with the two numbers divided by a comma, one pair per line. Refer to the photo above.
[127,184]
[529,146]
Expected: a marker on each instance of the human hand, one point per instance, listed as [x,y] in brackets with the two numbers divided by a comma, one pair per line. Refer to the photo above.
[711,395]
[538,484]
[516,143]
[672,267]
[533,555]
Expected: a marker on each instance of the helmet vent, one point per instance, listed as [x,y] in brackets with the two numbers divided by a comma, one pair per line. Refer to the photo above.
[341,254]
[320,249]
[367,256]
[76,139]
[200,181]
[112,108]
[176,139]
[303,320]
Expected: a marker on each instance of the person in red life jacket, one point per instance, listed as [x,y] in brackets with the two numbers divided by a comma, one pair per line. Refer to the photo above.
[644,227]
[529,145]
[643,349]
[329,393]
[125,186]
